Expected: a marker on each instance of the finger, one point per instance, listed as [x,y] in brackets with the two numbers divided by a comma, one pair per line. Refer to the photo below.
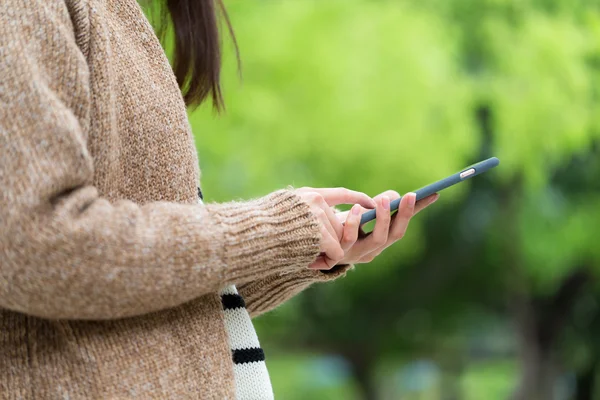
[322,263]
[321,214]
[367,258]
[351,227]
[405,212]
[335,196]
[327,217]
[334,222]
[331,249]
[392,194]
[343,215]
[397,228]
[426,202]
[378,238]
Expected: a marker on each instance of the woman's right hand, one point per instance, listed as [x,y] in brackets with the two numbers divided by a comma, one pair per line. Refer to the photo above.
[321,201]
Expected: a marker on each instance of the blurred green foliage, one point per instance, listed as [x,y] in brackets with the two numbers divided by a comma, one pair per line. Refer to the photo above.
[494,286]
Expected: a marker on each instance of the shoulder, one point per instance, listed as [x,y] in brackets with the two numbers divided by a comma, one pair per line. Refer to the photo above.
[45,17]
[43,45]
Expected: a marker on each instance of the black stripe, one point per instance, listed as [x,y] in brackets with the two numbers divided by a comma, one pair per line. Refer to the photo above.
[241,356]
[231,301]
[200,194]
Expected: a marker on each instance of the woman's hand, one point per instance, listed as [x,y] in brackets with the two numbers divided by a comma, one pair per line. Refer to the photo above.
[388,229]
[321,202]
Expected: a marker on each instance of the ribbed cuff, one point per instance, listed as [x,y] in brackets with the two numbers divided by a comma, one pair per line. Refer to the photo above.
[274,234]
[265,294]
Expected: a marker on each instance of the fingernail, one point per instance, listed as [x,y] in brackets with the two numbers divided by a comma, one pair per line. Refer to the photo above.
[437,196]
[356,209]
[412,199]
[386,202]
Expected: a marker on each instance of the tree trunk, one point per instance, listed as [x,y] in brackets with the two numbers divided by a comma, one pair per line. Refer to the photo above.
[362,374]
[539,327]
[585,382]
[538,373]
[452,370]
[450,387]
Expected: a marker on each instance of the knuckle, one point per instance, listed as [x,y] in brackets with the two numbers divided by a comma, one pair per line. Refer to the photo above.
[379,240]
[399,235]
[351,231]
[404,214]
[349,239]
[350,224]
[368,258]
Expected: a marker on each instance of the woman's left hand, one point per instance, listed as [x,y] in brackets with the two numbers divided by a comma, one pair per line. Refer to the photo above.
[388,229]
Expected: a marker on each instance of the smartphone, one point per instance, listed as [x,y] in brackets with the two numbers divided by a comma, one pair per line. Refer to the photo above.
[463,175]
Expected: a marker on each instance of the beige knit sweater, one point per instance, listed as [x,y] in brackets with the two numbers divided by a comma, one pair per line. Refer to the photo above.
[108,267]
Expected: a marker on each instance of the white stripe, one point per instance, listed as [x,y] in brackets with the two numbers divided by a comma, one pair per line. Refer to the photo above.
[252,381]
[228,290]
[243,336]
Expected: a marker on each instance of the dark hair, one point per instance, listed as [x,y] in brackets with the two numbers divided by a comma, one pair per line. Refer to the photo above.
[197,51]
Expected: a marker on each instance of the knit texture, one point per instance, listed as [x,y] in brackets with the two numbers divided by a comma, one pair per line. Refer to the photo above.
[109,270]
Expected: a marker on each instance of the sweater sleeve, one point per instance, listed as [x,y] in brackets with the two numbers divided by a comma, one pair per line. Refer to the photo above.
[265,294]
[67,252]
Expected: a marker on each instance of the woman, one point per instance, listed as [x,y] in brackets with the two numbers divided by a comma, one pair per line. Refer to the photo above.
[114,281]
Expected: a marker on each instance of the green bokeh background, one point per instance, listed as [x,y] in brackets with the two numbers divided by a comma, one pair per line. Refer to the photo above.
[492,293]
